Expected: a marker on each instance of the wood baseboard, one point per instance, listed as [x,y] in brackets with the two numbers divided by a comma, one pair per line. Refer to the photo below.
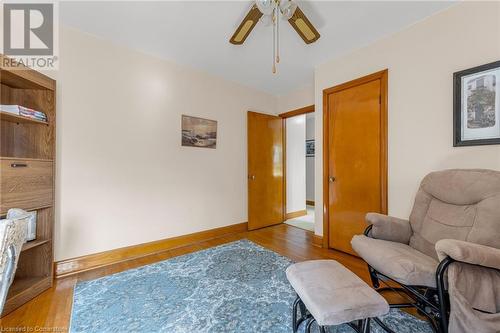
[317,240]
[77,265]
[310,202]
[293,215]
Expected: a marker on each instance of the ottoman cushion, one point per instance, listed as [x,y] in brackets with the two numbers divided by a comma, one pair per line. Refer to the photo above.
[333,294]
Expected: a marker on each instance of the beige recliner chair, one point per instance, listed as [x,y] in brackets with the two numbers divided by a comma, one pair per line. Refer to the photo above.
[455,224]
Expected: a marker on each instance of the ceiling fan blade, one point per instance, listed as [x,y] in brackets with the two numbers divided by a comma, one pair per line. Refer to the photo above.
[246,26]
[304,27]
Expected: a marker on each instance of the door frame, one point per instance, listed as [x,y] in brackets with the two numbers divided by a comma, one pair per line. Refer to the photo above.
[383,77]
[284,116]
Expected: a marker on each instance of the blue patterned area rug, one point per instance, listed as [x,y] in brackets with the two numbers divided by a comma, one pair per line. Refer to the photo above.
[236,287]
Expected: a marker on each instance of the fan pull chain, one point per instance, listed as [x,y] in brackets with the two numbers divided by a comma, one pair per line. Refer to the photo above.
[274,41]
[278,33]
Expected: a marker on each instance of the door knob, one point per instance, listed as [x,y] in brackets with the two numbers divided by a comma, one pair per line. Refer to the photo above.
[251,177]
[331,179]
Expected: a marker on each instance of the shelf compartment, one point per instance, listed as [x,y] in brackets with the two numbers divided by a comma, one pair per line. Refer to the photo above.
[33,244]
[24,289]
[21,284]
[33,138]
[5,116]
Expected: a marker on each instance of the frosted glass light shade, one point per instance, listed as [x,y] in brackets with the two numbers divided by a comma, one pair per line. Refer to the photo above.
[287,8]
[265,6]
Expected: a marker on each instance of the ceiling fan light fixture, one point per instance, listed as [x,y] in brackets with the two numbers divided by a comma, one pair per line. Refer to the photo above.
[268,12]
[266,7]
[288,8]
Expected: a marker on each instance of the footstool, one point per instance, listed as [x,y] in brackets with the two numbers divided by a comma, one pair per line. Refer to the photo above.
[330,294]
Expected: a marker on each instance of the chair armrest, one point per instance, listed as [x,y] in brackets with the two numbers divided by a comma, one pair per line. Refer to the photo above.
[470,253]
[389,228]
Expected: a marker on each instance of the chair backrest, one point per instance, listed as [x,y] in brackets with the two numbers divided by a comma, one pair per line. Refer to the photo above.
[12,238]
[461,204]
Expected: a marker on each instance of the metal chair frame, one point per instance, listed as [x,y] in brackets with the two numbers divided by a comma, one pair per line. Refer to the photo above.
[360,326]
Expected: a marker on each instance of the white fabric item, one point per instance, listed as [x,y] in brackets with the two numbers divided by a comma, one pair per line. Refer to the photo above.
[12,238]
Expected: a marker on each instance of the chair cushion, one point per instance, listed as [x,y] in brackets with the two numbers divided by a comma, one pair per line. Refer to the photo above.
[333,294]
[397,261]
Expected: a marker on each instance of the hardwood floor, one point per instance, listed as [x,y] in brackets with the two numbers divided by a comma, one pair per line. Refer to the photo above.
[52,309]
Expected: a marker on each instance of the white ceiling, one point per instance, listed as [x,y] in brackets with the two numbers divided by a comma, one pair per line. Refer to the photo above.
[197,34]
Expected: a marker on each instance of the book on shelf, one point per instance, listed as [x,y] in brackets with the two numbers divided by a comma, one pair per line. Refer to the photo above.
[20,110]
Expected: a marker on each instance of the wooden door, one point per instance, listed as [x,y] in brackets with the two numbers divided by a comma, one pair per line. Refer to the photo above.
[265,170]
[355,143]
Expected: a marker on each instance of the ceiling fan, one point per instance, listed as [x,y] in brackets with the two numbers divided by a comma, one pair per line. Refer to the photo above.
[269,12]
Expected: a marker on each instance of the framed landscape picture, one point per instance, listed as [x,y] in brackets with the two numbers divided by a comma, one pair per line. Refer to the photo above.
[476,105]
[199,132]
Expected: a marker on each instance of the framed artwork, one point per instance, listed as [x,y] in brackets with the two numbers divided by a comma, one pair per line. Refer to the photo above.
[310,148]
[199,132]
[476,106]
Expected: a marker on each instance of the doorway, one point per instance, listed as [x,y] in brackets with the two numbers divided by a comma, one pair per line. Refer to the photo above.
[299,167]
[354,157]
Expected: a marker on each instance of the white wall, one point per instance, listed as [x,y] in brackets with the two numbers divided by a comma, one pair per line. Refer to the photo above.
[295,164]
[296,99]
[310,135]
[421,62]
[122,176]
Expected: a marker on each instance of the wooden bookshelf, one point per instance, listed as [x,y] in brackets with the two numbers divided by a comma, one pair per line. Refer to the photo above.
[27,175]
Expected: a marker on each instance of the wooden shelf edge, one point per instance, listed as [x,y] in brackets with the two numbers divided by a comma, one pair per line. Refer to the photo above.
[22,77]
[34,243]
[6,116]
[28,209]
[26,159]
[26,290]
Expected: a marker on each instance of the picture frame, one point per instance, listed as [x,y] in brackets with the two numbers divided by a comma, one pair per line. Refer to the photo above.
[476,106]
[310,148]
[198,132]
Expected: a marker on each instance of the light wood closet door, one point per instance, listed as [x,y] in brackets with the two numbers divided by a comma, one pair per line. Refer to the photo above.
[265,170]
[356,160]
